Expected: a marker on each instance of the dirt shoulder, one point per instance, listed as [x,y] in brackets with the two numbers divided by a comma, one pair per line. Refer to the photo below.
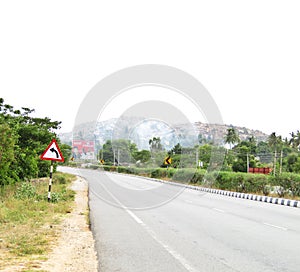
[75,249]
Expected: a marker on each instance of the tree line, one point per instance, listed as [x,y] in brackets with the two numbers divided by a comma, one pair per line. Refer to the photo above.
[23,138]
[282,155]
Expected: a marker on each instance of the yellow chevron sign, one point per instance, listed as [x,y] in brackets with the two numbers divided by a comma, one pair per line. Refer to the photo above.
[168,160]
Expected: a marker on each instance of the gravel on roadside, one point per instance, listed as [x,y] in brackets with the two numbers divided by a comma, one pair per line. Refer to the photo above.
[75,250]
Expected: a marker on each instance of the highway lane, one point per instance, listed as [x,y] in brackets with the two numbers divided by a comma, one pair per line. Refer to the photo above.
[141,225]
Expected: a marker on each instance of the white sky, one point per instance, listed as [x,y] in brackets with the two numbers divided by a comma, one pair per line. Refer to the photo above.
[116,107]
[246,53]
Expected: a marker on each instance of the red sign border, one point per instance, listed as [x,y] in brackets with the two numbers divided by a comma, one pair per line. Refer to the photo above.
[52,159]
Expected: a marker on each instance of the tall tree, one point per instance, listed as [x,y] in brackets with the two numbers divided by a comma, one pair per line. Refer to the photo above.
[276,143]
[30,136]
[155,144]
[142,156]
[118,151]
[177,149]
[295,140]
[231,137]
[7,153]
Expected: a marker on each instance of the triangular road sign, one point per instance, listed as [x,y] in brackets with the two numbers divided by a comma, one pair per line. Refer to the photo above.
[52,152]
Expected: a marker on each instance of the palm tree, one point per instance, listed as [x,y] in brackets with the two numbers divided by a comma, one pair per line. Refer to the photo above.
[275,142]
[295,140]
[231,137]
[155,144]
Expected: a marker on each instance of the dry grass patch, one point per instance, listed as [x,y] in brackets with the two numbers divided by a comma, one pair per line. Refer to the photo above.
[28,223]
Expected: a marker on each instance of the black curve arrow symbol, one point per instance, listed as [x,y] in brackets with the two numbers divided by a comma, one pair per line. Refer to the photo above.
[168,160]
[53,150]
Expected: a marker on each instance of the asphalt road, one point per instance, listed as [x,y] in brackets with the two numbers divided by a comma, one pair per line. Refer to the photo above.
[141,225]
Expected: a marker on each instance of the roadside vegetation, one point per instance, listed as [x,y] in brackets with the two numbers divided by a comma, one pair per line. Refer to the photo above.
[283,185]
[23,139]
[223,165]
[28,223]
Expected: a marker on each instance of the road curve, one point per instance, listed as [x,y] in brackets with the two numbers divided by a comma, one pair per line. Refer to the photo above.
[140,225]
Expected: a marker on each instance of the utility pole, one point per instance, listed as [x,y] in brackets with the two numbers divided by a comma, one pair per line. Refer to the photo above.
[197,157]
[114,157]
[118,157]
[275,155]
[281,155]
[247,163]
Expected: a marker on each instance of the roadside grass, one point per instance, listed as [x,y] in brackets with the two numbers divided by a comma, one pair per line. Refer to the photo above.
[28,223]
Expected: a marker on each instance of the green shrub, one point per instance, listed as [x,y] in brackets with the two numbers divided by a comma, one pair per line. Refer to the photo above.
[106,167]
[171,172]
[239,182]
[113,168]
[59,178]
[184,175]
[287,183]
[94,166]
[199,176]
[243,182]
[146,172]
[25,191]
[210,179]
[73,164]
[55,197]
[159,173]
[224,181]
[261,183]
[126,170]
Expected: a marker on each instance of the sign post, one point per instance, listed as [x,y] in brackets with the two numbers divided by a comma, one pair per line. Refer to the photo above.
[50,182]
[52,153]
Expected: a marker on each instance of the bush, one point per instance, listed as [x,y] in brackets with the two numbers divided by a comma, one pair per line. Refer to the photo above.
[199,176]
[55,197]
[224,181]
[113,168]
[287,183]
[261,183]
[126,170]
[210,179]
[94,166]
[25,191]
[106,167]
[171,172]
[243,182]
[159,173]
[146,172]
[59,178]
[185,175]
[239,180]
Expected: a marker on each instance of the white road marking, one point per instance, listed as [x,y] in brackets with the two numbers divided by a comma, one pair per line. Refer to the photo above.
[171,251]
[219,210]
[274,226]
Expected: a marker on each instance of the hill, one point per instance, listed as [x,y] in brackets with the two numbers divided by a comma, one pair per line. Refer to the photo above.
[140,131]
